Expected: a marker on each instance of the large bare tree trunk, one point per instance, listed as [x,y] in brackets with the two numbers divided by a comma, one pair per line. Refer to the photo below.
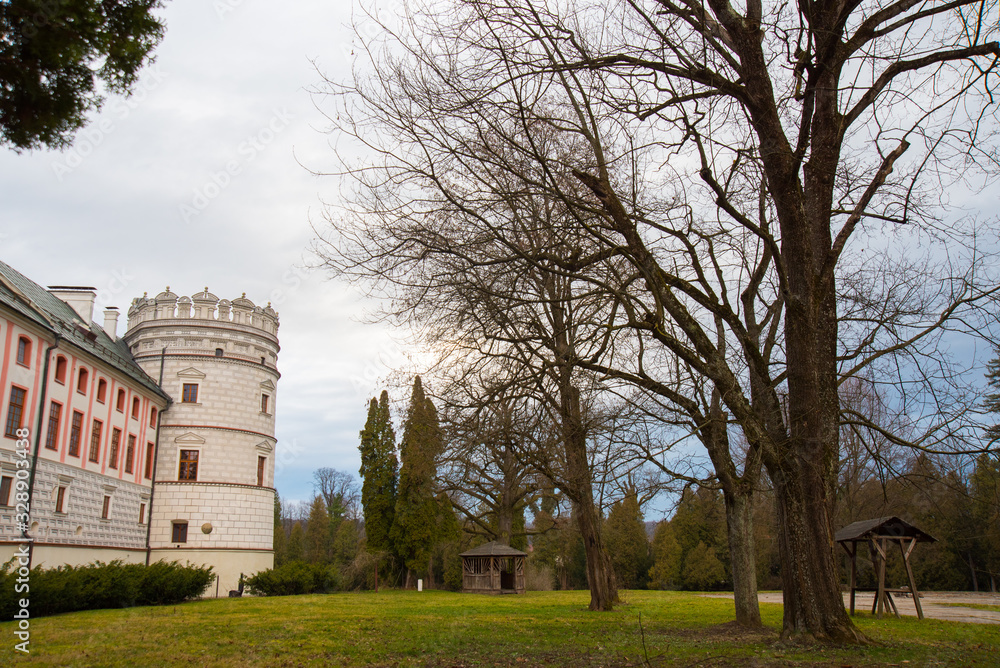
[739,527]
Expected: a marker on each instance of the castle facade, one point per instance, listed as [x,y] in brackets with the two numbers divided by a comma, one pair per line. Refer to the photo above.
[156,445]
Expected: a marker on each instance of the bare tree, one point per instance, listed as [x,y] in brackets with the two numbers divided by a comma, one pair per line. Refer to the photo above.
[340,492]
[711,169]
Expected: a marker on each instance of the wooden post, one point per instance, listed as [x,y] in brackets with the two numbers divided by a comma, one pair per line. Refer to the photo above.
[909,574]
[880,546]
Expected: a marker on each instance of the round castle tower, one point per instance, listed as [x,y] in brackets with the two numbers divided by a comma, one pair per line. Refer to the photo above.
[213,490]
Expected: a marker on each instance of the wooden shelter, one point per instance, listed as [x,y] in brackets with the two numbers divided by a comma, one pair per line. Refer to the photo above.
[493,568]
[878,533]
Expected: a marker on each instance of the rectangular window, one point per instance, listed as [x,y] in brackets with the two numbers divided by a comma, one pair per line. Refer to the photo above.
[6,482]
[152,417]
[142,513]
[74,434]
[189,465]
[149,461]
[15,411]
[52,437]
[130,453]
[263,403]
[179,533]
[189,395]
[23,351]
[95,441]
[60,499]
[116,437]
[261,465]
[106,508]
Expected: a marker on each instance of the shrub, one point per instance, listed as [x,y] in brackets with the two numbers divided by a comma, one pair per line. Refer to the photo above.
[295,577]
[100,585]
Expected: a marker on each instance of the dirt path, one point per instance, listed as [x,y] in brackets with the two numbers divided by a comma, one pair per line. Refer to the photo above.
[936,605]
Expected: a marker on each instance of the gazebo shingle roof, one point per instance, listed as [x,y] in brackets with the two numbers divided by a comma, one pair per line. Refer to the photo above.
[882,526]
[493,549]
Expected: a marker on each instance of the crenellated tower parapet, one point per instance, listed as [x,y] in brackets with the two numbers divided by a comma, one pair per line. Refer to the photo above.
[203,306]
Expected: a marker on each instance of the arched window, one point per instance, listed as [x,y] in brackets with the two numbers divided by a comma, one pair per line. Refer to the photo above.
[24,351]
[152,417]
[219,352]
[81,383]
[102,390]
[60,376]
[120,402]
[135,408]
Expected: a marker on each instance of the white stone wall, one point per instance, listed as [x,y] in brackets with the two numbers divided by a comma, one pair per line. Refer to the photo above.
[227,565]
[236,516]
[81,523]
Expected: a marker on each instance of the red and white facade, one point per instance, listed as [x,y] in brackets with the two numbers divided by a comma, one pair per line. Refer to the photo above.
[156,445]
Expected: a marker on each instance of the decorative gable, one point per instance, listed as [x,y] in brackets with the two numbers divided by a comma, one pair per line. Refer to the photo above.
[190,372]
[267,385]
[190,438]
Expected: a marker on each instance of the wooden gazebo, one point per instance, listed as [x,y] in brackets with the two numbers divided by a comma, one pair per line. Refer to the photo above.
[493,568]
[878,533]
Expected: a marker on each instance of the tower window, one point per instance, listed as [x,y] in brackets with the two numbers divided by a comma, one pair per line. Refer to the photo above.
[219,352]
[15,411]
[189,465]
[179,533]
[261,465]
[24,351]
[264,399]
[189,394]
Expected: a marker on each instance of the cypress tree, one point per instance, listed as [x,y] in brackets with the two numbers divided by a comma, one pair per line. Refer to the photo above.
[378,474]
[317,538]
[417,528]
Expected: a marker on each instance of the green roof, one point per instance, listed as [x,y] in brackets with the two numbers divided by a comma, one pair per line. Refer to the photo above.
[32,301]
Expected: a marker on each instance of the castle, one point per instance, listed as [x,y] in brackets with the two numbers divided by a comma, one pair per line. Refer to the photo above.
[156,445]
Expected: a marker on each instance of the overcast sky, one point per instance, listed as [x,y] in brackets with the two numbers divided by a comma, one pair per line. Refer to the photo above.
[198,180]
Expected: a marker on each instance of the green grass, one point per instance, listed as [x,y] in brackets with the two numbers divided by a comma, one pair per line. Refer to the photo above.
[442,629]
[974,606]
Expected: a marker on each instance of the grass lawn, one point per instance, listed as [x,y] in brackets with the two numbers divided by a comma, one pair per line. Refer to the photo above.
[398,628]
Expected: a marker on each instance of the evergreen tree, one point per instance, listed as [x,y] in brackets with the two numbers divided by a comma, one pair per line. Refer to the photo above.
[415,529]
[317,538]
[378,473]
[280,544]
[296,543]
[667,556]
[626,541]
[702,568]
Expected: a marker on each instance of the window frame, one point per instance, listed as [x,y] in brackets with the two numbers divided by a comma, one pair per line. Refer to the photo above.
[261,469]
[15,410]
[265,403]
[102,390]
[189,393]
[59,375]
[142,512]
[96,432]
[61,499]
[130,454]
[120,401]
[187,469]
[75,434]
[54,424]
[136,407]
[82,379]
[178,532]
[23,351]
[150,450]
[116,440]
[6,487]
[106,508]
